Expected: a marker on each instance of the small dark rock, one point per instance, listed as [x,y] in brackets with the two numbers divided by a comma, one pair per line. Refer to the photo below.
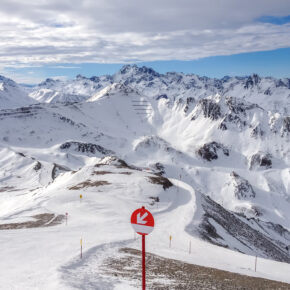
[37,166]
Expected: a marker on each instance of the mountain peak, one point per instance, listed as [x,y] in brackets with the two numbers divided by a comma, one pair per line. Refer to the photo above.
[113,89]
[134,69]
[80,77]
[128,68]
[7,81]
[48,82]
[252,81]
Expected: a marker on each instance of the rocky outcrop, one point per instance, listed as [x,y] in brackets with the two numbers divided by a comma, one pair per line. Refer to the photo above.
[247,236]
[154,143]
[165,182]
[210,109]
[189,102]
[57,170]
[286,126]
[242,188]
[87,148]
[163,96]
[159,168]
[252,81]
[260,160]
[210,151]
[117,162]
[238,106]
[257,132]
[37,166]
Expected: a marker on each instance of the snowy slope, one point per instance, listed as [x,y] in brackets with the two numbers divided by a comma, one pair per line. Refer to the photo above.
[12,95]
[227,156]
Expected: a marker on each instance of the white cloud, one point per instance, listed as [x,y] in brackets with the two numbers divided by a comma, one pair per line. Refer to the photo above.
[71,31]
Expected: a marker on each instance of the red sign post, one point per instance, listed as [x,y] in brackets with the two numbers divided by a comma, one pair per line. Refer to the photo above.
[143,223]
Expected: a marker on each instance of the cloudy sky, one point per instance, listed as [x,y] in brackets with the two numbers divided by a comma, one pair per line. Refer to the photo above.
[65,37]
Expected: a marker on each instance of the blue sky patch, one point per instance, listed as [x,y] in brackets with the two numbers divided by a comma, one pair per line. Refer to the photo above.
[274,19]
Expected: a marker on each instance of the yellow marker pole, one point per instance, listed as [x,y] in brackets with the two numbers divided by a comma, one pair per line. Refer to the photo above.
[170,238]
[81,248]
[81,196]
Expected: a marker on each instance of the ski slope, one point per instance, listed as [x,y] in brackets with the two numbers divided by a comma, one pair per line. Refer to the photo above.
[48,258]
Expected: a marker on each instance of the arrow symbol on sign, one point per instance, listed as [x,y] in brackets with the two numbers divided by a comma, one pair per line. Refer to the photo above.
[140,219]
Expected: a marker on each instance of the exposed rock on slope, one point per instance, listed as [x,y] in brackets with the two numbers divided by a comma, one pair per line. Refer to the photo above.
[260,160]
[210,109]
[115,161]
[286,126]
[222,227]
[57,170]
[210,151]
[154,143]
[242,187]
[165,182]
[87,148]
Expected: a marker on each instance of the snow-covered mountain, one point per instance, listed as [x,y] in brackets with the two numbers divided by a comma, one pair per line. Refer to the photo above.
[268,92]
[12,95]
[80,89]
[209,157]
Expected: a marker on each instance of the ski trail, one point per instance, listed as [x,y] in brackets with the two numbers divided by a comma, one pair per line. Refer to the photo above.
[86,273]
[172,221]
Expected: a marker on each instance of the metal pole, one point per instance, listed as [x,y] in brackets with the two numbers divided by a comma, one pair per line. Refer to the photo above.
[143,264]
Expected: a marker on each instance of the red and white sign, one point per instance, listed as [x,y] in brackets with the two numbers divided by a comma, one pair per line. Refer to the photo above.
[142,221]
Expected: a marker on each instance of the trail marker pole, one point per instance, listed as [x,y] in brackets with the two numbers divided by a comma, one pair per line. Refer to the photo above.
[66,214]
[143,223]
[81,248]
[170,238]
[189,247]
[256,263]
[81,196]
